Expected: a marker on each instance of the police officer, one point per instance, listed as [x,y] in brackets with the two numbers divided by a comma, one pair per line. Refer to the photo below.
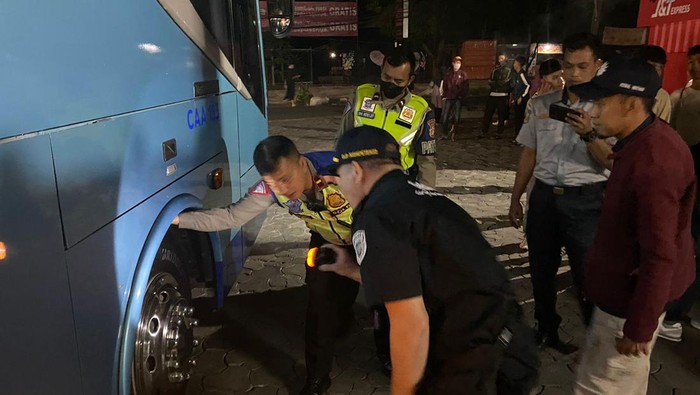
[301,184]
[391,106]
[456,327]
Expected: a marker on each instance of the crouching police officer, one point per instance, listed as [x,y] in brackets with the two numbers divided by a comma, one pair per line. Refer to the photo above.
[456,327]
[301,184]
[407,117]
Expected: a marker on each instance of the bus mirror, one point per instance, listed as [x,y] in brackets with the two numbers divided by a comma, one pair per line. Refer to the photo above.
[281,16]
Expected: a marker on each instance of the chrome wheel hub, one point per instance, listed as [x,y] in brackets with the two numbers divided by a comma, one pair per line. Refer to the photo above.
[164,340]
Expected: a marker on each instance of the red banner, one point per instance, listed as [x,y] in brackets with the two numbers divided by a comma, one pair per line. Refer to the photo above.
[320,19]
[656,12]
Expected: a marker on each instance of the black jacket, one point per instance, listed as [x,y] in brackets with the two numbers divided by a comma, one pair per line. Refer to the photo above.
[502,79]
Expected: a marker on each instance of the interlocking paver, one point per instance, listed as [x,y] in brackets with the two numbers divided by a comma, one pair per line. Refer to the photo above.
[255,343]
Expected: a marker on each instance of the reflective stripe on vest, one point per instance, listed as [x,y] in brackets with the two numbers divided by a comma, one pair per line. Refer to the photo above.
[333,223]
[402,125]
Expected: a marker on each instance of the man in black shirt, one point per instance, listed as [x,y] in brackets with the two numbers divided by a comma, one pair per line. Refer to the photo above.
[456,327]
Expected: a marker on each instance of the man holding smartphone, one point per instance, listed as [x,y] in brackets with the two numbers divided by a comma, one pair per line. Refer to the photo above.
[571,166]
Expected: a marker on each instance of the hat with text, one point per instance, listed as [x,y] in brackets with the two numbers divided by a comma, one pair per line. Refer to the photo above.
[620,76]
[366,142]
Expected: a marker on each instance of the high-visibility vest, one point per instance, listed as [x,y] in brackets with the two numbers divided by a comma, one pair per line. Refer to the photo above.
[403,125]
[332,219]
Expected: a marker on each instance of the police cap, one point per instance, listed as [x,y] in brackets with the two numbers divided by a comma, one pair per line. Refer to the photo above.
[366,142]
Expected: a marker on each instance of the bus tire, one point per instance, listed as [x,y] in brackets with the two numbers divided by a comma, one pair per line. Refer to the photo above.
[164,339]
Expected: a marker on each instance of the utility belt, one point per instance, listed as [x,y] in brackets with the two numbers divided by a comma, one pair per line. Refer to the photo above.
[588,189]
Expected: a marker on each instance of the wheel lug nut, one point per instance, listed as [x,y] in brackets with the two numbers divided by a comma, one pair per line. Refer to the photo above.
[176,377]
[173,364]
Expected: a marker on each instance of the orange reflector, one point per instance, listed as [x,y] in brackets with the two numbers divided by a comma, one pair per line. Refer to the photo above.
[311,257]
[3,251]
[216,178]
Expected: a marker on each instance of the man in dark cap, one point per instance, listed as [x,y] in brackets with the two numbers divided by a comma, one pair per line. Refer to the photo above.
[656,56]
[456,327]
[642,257]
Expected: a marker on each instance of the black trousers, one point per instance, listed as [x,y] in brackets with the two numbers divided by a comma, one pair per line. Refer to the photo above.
[331,298]
[451,109]
[559,218]
[494,103]
[519,114]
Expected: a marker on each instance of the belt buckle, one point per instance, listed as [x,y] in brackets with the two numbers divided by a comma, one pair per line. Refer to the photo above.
[558,190]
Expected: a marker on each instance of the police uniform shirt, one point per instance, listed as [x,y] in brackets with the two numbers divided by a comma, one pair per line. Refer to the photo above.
[410,240]
[333,223]
[562,157]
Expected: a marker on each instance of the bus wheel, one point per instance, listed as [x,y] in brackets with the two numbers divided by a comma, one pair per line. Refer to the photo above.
[164,339]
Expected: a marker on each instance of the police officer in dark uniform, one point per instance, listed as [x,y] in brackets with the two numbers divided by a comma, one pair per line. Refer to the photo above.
[456,327]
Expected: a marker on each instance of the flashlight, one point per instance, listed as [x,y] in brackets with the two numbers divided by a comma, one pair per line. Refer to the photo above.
[320,256]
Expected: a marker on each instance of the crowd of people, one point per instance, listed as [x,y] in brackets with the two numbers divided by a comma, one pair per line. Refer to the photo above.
[609,180]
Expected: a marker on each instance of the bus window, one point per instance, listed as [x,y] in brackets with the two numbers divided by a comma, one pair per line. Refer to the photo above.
[216,15]
[247,49]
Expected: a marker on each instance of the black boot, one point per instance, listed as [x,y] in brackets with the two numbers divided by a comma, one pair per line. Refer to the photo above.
[316,386]
[550,338]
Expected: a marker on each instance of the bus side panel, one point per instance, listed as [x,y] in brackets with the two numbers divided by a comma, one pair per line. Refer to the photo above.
[101,270]
[70,61]
[253,128]
[105,169]
[37,335]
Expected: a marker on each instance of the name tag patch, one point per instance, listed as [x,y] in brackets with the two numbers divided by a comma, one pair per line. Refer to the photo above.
[365,114]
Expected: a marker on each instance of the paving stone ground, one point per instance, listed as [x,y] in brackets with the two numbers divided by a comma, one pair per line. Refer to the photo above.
[254,345]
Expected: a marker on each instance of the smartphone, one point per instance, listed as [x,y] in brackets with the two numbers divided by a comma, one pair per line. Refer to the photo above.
[559,112]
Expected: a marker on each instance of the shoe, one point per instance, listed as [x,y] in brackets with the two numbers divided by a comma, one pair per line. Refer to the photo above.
[316,386]
[671,331]
[695,324]
[550,339]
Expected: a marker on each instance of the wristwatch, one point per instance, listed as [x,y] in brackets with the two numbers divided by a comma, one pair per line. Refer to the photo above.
[590,136]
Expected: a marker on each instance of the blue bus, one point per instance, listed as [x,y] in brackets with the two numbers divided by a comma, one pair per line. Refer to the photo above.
[117,116]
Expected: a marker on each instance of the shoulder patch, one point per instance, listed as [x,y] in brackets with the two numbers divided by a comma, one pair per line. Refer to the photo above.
[359,241]
[260,189]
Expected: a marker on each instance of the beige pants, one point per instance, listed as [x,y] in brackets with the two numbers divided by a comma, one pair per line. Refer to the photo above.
[602,369]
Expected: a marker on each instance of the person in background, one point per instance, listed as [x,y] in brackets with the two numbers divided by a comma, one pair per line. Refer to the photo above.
[290,78]
[436,97]
[521,92]
[552,77]
[685,118]
[501,83]
[643,254]
[454,89]
[656,56]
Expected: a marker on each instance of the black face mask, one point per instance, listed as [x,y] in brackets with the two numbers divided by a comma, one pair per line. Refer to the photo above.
[390,90]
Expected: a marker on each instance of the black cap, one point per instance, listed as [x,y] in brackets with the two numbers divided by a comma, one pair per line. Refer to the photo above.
[366,142]
[623,76]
